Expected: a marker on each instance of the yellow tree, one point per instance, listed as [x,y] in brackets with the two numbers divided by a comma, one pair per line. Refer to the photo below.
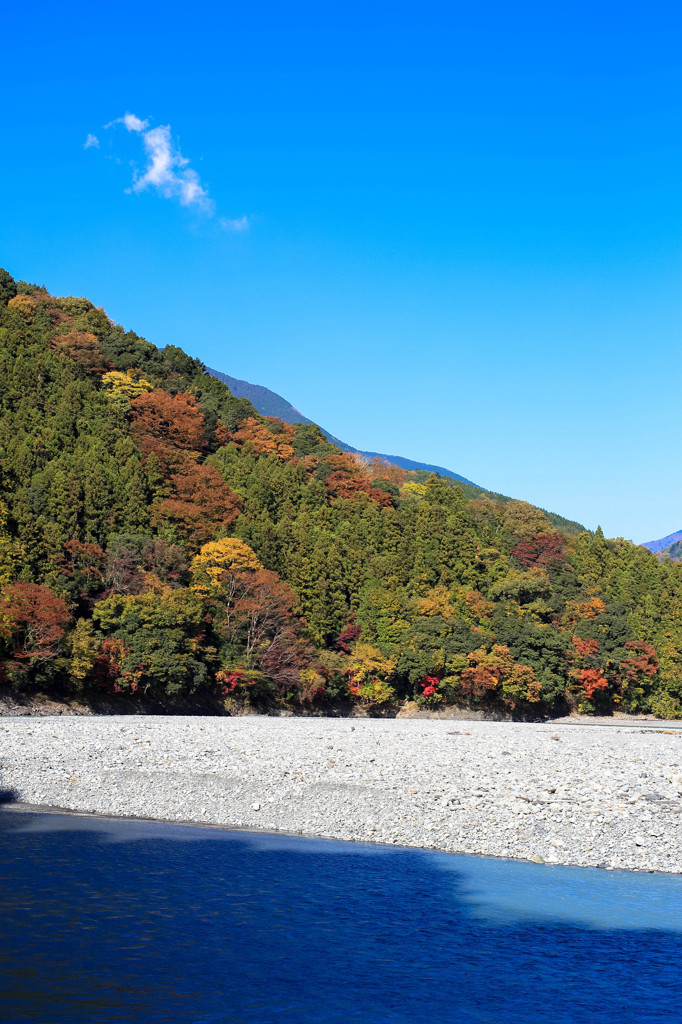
[436,602]
[24,306]
[412,489]
[523,521]
[83,648]
[126,386]
[369,673]
[220,571]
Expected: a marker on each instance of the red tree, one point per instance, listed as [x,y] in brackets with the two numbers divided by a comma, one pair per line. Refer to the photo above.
[33,622]
[200,502]
[263,440]
[429,685]
[108,669]
[84,349]
[643,661]
[264,608]
[592,680]
[480,679]
[84,564]
[585,648]
[543,549]
[165,423]
[286,656]
[349,634]
[346,484]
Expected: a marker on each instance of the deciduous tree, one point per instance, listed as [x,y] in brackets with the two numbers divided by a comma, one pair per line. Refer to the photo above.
[33,622]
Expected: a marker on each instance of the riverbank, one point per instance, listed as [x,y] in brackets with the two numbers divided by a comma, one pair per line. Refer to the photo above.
[568,794]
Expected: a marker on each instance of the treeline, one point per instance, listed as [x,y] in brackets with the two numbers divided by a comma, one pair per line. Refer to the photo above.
[159,538]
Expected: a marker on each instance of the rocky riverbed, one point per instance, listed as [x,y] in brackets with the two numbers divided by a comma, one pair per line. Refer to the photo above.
[560,793]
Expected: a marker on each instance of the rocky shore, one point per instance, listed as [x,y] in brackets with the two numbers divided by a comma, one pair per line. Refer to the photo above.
[591,795]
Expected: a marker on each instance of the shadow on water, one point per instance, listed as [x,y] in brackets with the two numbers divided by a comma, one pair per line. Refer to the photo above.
[108,920]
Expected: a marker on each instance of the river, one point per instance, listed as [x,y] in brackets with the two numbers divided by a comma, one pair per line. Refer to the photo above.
[118,920]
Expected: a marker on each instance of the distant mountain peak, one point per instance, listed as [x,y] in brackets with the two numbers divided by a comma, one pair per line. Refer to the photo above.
[269,403]
[663,543]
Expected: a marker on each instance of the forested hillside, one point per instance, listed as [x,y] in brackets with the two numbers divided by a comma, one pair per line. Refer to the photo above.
[667,547]
[269,403]
[674,552]
[658,546]
[159,537]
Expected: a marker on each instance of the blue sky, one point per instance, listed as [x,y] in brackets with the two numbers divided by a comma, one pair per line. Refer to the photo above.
[444,230]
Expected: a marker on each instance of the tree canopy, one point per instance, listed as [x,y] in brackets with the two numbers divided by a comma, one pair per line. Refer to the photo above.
[158,536]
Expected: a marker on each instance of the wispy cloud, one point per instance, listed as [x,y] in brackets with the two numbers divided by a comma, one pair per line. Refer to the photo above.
[240,224]
[91,141]
[167,171]
[132,123]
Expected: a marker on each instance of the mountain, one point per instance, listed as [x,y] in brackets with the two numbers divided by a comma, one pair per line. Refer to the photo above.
[161,541]
[269,403]
[665,542]
[673,552]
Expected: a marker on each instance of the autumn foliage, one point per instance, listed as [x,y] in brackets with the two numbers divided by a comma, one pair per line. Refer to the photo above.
[429,686]
[542,549]
[164,423]
[586,611]
[159,537]
[33,622]
[84,348]
[585,648]
[348,635]
[642,661]
[347,483]
[592,681]
[495,671]
[199,503]
[263,441]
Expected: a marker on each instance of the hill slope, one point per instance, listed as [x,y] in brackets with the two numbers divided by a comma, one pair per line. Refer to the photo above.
[160,539]
[269,403]
[673,552]
[663,543]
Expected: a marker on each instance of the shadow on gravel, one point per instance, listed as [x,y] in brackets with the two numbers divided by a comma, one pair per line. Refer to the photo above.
[8,796]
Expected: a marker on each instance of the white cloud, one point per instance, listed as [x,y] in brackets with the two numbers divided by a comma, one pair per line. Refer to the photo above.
[91,140]
[240,224]
[167,171]
[134,124]
[131,122]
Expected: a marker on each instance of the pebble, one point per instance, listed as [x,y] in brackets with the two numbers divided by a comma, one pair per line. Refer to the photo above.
[602,797]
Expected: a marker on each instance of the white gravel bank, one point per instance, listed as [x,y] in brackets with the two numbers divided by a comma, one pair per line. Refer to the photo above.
[567,794]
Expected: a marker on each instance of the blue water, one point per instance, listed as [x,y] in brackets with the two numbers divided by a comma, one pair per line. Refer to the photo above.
[125,921]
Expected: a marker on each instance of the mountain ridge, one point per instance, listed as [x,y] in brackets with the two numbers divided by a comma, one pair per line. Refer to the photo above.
[162,540]
[657,546]
[270,403]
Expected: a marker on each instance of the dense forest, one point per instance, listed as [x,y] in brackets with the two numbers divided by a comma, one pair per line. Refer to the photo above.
[673,552]
[160,539]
